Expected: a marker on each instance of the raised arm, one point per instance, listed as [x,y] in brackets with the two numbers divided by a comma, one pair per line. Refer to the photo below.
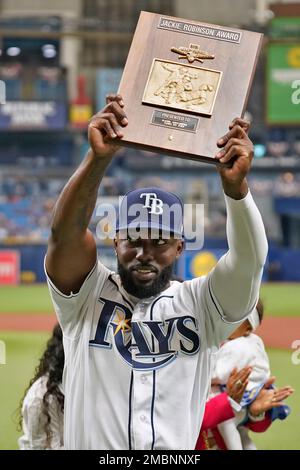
[71,250]
[236,279]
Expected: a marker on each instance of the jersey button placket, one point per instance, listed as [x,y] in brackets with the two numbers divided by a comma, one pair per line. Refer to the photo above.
[142,395]
[142,402]
[144,378]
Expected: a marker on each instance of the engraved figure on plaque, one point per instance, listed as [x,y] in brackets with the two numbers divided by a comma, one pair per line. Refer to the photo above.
[183,87]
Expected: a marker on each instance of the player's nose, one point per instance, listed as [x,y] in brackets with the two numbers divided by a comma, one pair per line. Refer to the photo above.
[144,252]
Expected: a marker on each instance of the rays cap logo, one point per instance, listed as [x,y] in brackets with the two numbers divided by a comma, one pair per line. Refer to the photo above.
[150,212]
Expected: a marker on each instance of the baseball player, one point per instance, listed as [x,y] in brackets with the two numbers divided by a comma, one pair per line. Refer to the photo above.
[138,346]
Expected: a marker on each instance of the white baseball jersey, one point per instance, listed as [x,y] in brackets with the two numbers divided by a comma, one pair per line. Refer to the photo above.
[137,372]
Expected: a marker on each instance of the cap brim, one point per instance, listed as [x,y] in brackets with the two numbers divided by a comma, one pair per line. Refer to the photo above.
[160,229]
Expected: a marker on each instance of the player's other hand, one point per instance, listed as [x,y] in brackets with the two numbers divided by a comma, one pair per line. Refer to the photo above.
[236,150]
[106,126]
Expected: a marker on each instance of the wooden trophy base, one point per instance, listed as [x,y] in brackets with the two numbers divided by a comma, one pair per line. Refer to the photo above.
[183,83]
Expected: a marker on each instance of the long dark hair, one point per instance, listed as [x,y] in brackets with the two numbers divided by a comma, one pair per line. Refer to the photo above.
[51,364]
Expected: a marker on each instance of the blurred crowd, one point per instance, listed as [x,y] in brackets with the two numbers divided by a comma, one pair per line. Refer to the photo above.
[26,203]
[26,207]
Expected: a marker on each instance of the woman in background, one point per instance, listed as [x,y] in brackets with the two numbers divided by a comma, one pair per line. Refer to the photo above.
[41,410]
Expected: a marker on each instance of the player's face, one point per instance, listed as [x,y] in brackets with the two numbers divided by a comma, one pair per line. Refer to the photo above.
[145,265]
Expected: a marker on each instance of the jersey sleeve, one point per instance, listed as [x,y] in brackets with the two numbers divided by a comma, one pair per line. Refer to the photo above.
[209,312]
[72,309]
[236,278]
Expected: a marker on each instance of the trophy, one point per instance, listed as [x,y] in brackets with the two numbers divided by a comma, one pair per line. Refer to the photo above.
[183,83]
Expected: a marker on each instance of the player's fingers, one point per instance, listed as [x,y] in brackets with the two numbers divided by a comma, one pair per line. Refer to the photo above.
[240,122]
[100,121]
[232,152]
[233,141]
[102,124]
[115,97]
[112,107]
[119,113]
[236,131]
[114,124]
[110,130]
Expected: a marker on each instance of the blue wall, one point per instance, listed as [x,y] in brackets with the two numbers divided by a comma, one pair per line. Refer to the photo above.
[283,264]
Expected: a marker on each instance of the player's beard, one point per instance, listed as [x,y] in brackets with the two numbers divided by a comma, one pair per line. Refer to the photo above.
[143,291]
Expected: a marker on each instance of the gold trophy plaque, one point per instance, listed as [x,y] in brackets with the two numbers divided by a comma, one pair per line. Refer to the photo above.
[183,83]
[182,87]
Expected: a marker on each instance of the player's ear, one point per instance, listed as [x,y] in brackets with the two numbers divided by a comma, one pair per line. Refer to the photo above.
[116,242]
[179,248]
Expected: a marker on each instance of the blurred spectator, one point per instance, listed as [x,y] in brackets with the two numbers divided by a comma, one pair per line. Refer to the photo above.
[287,185]
[278,149]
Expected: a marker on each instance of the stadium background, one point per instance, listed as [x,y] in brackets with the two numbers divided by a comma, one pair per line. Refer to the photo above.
[58,61]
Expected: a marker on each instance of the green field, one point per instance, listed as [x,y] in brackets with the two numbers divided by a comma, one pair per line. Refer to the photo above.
[279,299]
[283,435]
[24,349]
[25,299]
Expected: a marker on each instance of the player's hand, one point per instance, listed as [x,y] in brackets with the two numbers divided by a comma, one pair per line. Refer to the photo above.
[237,152]
[106,126]
[237,383]
[240,122]
[269,398]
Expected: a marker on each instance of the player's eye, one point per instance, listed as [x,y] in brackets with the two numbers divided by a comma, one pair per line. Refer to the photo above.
[161,242]
[132,240]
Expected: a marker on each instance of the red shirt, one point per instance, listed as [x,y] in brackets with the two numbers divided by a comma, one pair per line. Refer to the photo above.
[217,410]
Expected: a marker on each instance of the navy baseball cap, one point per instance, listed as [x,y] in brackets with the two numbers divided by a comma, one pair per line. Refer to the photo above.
[151,209]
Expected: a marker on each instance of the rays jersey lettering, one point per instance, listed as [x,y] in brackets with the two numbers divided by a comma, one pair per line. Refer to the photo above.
[146,345]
